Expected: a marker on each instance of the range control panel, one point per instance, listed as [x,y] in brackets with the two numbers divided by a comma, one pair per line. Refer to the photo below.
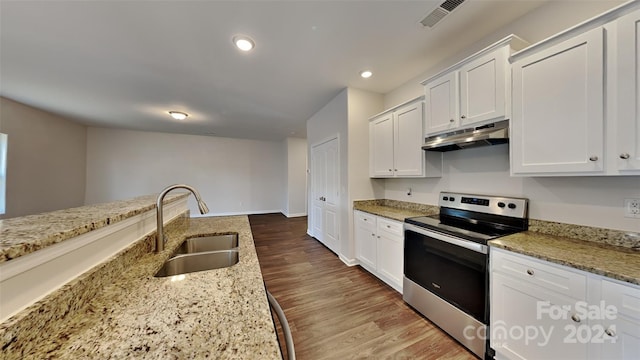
[490,204]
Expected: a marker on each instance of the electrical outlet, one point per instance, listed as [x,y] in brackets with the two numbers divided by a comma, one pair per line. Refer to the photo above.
[632,208]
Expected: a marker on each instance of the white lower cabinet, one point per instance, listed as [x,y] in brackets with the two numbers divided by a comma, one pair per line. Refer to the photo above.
[622,331]
[365,235]
[379,247]
[541,310]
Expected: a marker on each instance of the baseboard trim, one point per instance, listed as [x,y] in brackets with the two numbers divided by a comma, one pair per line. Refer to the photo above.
[349,262]
[295,215]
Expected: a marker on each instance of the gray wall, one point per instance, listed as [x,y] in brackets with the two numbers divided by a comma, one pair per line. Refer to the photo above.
[234,176]
[45,160]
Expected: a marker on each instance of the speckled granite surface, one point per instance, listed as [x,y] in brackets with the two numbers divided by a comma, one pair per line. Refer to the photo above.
[611,261]
[626,239]
[23,235]
[393,209]
[222,314]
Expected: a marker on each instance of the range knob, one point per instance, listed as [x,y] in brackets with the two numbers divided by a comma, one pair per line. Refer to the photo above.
[451,198]
[512,206]
[501,204]
[445,198]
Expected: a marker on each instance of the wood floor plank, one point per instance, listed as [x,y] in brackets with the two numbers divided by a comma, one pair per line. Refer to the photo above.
[340,312]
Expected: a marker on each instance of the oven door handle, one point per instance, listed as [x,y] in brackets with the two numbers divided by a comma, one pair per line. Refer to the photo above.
[446,238]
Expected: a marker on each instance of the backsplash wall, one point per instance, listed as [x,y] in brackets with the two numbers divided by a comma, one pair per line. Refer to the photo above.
[591,201]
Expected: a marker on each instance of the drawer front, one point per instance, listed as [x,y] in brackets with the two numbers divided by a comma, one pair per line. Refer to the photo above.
[625,298]
[541,273]
[366,219]
[391,227]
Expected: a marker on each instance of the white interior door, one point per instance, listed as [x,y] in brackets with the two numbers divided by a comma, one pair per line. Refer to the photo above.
[318,163]
[332,196]
[325,192]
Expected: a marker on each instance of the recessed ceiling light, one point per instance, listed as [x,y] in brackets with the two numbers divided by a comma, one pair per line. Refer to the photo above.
[243,42]
[366,74]
[178,115]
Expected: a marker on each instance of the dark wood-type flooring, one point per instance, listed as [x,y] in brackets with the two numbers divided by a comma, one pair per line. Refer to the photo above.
[336,311]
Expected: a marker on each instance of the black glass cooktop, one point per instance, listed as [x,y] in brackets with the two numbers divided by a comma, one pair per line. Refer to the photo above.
[477,228]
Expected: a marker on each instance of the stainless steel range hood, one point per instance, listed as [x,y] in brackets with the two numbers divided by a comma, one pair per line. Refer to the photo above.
[491,134]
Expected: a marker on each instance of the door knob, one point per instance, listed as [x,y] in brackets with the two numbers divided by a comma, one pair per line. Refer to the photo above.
[463,117]
[624,156]
[593,158]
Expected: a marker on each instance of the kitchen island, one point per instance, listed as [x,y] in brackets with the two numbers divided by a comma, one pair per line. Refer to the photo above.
[123,311]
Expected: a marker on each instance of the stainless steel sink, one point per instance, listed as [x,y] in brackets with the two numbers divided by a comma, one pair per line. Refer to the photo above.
[207,243]
[188,263]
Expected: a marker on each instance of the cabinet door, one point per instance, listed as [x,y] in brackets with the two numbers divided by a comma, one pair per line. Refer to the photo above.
[441,103]
[622,332]
[628,117]
[521,327]
[381,148]
[365,236]
[408,137]
[483,88]
[390,252]
[621,340]
[558,102]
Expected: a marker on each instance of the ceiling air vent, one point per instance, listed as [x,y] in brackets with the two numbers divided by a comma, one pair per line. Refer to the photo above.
[440,12]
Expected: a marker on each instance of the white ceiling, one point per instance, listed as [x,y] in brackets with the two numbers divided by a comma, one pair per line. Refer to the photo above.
[126,63]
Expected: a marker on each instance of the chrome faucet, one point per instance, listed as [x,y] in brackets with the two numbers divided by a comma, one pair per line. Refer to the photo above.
[160,238]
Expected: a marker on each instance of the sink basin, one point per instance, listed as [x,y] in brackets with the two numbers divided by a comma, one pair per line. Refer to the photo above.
[207,243]
[188,263]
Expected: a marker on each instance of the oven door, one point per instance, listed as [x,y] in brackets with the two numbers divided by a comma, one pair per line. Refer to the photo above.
[453,269]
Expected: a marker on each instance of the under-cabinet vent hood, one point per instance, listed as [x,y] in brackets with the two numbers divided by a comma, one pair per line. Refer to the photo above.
[440,12]
[491,134]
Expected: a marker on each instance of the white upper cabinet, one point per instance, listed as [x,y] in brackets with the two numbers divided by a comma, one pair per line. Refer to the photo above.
[441,103]
[381,135]
[575,100]
[395,141]
[407,140]
[558,107]
[483,87]
[472,92]
[627,152]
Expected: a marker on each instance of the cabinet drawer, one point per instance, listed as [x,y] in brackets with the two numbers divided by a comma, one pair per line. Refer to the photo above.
[391,227]
[365,219]
[541,273]
[625,298]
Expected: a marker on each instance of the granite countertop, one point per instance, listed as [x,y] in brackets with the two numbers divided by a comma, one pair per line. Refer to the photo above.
[23,235]
[611,261]
[222,313]
[394,210]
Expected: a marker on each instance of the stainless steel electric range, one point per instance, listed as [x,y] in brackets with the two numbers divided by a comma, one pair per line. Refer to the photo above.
[446,262]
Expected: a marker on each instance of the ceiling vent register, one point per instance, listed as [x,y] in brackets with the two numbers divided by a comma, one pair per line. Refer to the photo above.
[440,12]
